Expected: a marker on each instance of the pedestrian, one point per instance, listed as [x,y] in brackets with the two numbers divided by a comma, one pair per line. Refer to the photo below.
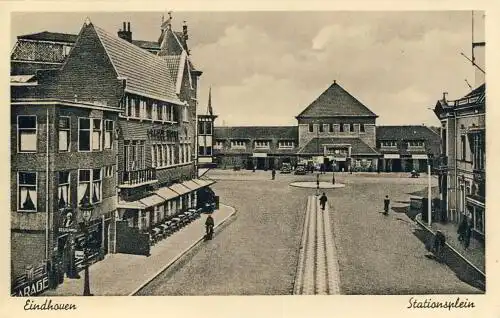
[387,202]
[333,178]
[439,242]
[468,234]
[461,230]
[322,201]
[254,167]
[273,173]
[209,227]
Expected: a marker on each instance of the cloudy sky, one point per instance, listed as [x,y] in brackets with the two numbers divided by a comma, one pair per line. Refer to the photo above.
[265,67]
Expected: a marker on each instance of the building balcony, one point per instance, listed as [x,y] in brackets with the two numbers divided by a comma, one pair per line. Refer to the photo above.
[137,178]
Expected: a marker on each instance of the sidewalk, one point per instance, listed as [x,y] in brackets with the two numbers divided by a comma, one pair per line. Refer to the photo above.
[474,254]
[123,274]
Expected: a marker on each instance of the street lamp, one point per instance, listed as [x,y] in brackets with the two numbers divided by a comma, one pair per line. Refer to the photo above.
[86,208]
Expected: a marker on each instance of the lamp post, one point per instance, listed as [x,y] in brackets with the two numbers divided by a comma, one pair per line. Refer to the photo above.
[86,208]
[429,193]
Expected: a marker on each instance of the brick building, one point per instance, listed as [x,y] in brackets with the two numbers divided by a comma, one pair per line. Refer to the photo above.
[335,131]
[102,119]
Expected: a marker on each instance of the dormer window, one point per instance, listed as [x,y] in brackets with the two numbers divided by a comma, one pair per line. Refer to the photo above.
[415,144]
[238,144]
[262,144]
[388,144]
[285,144]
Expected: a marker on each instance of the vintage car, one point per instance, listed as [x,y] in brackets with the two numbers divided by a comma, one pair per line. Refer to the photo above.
[301,169]
[286,168]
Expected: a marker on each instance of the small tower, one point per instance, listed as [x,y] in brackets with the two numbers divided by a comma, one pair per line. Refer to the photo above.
[205,133]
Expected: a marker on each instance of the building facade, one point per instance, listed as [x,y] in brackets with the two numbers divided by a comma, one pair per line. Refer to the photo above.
[205,135]
[113,125]
[336,132]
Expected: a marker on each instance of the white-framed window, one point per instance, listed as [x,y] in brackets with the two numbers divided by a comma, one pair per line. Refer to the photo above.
[262,144]
[66,50]
[201,150]
[134,155]
[330,128]
[185,116]
[219,144]
[238,144]
[27,191]
[388,143]
[64,134]
[208,150]
[90,185]
[311,128]
[26,133]
[63,189]
[108,171]
[89,134]
[201,128]
[154,111]
[108,134]
[285,144]
[362,128]
[415,144]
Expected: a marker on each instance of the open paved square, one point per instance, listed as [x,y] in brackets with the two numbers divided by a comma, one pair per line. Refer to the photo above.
[257,253]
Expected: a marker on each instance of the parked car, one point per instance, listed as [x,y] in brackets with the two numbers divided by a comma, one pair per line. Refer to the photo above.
[301,169]
[286,168]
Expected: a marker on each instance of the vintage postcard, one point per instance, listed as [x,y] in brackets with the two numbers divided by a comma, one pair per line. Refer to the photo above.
[174,152]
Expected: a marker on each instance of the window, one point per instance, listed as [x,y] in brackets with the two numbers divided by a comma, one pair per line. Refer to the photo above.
[90,185]
[108,171]
[238,144]
[479,151]
[208,127]
[63,189]
[108,134]
[415,144]
[153,156]
[66,50]
[154,111]
[159,109]
[201,128]
[64,133]
[362,127]
[201,150]
[27,191]
[351,127]
[89,127]
[262,144]
[311,128]
[320,127]
[284,144]
[149,110]
[388,143]
[26,133]
[463,147]
[185,114]
[330,127]
[134,155]
[341,127]
[209,150]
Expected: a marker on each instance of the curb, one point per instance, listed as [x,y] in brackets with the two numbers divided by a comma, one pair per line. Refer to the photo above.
[178,256]
[418,219]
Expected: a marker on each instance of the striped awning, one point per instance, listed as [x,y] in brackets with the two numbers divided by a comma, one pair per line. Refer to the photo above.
[166,193]
[191,185]
[152,200]
[179,188]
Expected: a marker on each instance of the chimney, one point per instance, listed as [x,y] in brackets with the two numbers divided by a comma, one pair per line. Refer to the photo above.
[334,81]
[185,30]
[444,96]
[125,34]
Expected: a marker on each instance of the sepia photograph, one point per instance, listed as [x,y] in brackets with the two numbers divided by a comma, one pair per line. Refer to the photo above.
[238,153]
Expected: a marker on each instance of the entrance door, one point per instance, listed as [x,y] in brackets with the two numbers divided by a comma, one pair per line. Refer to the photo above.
[396,165]
[261,163]
[342,165]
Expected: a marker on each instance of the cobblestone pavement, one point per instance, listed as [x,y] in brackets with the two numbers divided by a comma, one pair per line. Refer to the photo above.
[258,252]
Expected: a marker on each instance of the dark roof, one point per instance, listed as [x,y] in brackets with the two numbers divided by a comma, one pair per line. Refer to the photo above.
[477,91]
[405,133]
[257,132]
[146,44]
[146,74]
[336,102]
[358,147]
[50,36]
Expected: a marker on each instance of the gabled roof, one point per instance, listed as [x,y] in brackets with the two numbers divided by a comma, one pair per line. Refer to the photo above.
[146,74]
[411,132]
[358,147]
[50,36]
[336,102]
[257,132]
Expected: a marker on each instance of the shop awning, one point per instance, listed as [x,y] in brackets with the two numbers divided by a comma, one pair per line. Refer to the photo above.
[204,182]
[166,193]
[474,202]
[391,156]
[179,188]
[152,200]
[419,156]
[191,185]
[135,205]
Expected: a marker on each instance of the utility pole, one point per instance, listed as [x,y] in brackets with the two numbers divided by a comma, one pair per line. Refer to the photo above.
[429,194]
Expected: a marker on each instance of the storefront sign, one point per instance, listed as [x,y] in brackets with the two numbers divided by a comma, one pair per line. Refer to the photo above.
[67,230]
[32,288]
[419,157]
[391,156]
[259,155]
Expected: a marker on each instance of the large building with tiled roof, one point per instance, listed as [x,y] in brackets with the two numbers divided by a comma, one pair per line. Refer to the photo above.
[335,132]
[107,124]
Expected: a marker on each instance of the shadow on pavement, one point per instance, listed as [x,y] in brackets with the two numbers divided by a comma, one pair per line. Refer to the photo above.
[400,209]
